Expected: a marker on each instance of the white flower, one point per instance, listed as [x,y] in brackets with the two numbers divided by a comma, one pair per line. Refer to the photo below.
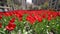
[47,26]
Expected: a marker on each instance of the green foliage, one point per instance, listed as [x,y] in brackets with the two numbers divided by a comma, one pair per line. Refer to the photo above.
[43,27]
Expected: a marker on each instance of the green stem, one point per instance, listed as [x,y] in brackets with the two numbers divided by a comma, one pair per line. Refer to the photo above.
[47,31]
[9,32]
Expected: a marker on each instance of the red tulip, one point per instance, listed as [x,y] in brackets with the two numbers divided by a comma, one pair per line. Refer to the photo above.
[19,15]
[59,13]
[6,14]
[31,19]
[12,20]
[10,26]
[10,13]
[44,16]
[40,19]
[0,25]
[36,16]
[20,19]
[0,17]
[49,18]
[55,14]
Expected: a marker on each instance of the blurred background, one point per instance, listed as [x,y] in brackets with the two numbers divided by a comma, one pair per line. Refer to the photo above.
[7,5]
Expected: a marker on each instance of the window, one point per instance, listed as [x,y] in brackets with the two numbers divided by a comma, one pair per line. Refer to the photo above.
[53,0]
[53,3]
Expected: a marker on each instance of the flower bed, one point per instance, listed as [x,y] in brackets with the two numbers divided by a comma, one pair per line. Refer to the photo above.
[30,22]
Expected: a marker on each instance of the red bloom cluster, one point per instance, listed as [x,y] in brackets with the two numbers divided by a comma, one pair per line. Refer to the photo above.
[11,25]
[37,17]
[12,20]
[0,17]
[31,19]
[0,25]
[32,15]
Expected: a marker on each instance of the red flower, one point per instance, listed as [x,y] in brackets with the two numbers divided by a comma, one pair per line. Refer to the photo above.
[55,14]
[59,13]
[49,18]
[31,19]
[38,18]
[19,15]
[20,19]
[44,16]
[12,20]
[10,13]
[0,16]
[0,25]
[6,14]
[10,26]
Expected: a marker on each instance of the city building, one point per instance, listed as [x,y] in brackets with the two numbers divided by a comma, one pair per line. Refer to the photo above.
[17,4]
[54,4]
[13,4]
[38,2]
[3,5]
[23,4]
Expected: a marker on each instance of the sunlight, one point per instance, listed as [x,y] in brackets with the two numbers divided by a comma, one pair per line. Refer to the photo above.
[29,1]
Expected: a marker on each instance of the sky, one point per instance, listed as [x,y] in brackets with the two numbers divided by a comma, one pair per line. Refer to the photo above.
[29,1]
